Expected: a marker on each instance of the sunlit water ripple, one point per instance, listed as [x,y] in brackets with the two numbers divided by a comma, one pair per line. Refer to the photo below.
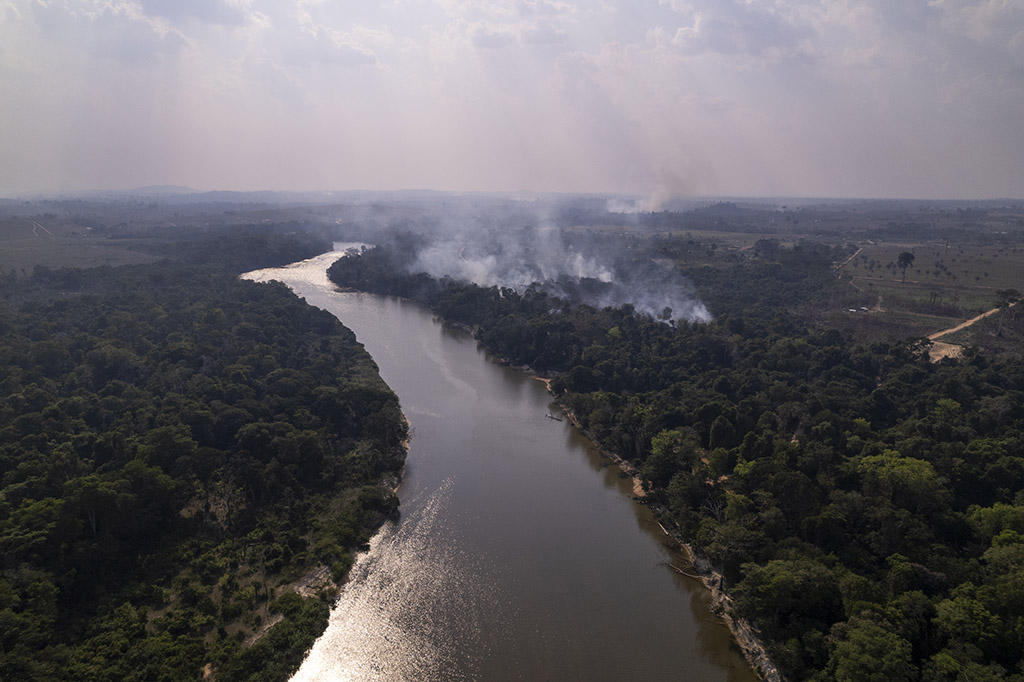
[390,621]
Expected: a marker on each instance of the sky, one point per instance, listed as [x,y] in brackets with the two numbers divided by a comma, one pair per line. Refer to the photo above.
[655,98]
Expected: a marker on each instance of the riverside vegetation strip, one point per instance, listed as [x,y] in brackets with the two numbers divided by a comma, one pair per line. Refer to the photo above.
[862,504]
[178,449]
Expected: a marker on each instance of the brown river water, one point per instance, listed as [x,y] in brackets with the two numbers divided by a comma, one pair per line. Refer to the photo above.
[519,553]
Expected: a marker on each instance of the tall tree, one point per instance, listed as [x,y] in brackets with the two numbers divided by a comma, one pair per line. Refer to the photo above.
[904,261]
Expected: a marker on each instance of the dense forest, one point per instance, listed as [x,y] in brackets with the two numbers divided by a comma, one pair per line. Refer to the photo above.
[178,450]
[863,505]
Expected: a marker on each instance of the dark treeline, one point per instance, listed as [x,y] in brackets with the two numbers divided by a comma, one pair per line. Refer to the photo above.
[232,248]
[177,446]
[863,505]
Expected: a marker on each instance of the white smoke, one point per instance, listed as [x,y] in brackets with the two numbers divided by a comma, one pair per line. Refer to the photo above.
[650,204]
[519,257]
[514,259]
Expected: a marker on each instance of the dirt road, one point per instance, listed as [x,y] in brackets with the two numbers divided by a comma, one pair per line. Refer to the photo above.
[941,350]
[964,325]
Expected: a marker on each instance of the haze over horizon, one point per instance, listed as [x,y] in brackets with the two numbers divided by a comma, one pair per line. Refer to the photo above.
[658,98]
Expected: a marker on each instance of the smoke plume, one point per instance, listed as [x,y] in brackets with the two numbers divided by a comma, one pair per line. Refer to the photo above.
[538,243]
[508,246]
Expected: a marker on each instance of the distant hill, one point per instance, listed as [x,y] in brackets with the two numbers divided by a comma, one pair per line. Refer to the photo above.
[160,190]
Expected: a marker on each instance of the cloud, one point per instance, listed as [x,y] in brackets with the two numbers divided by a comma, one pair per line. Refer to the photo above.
[492,36]
[740,28]
[651,98]
[543,34]
[997,25]
[107,30]
[206,11]
[544,8]
[328,39]
[325,47]
[10,11]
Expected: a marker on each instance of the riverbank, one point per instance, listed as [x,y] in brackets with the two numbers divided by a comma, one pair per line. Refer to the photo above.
[743,631]
[319,582]
[746,636]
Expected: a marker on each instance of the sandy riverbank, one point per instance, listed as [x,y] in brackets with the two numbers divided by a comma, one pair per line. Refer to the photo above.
[319,580]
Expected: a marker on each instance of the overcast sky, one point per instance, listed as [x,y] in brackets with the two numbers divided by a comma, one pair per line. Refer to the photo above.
[835,98]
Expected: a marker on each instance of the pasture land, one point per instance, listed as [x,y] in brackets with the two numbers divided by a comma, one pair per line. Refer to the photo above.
[21,256]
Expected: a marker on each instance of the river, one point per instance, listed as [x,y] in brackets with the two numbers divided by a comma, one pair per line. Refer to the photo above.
[519,553]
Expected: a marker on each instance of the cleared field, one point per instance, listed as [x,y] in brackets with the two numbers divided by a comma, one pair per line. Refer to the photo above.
[22,255]
[1000,332]
[872,324]
[932,299]
[945,285]
[954,267]
[735,240]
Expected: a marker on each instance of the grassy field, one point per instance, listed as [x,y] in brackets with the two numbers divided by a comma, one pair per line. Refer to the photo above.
[56,242]
[22,255]
[944,285]
[984,268]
